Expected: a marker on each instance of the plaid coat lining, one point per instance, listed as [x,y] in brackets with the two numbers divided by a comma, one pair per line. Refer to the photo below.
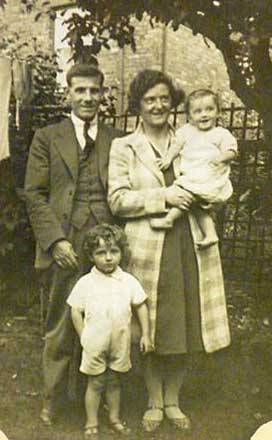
[136,190]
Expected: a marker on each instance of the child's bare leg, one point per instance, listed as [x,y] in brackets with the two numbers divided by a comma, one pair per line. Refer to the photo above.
[113,398]
[167,221]
[113,393]
[207,228]
[95,388]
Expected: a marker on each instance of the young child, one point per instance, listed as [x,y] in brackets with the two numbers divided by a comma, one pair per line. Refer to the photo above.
[101,304]
[206,152]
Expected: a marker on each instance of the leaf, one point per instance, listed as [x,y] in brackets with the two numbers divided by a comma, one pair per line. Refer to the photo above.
[38,16]
[106,45]
[52,14]
[3,3]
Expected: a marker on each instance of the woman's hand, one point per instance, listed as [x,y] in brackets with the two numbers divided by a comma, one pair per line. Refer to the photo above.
[179,197]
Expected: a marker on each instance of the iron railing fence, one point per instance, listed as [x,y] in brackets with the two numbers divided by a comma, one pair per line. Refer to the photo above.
[246,238]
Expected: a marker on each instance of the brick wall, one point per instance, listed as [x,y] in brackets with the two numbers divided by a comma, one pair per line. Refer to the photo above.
[187,58]
[26,26]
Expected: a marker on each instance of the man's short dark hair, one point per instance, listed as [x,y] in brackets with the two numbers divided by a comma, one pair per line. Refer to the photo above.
[85,71]
[109,233]
[146,80]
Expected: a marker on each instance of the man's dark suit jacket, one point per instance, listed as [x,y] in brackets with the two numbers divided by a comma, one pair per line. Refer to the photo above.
[51,180]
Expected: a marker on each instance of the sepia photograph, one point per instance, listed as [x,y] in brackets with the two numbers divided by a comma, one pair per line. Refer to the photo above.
[135,219]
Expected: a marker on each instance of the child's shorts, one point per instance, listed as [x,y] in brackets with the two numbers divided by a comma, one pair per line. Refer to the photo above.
[105,345]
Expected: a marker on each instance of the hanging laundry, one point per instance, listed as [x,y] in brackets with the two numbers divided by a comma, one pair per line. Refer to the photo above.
[5,90]
[22,81]
[22,86]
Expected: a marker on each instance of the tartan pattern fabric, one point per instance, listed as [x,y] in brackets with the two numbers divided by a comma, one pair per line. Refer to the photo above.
[145,246]
[136,190]
[214,319]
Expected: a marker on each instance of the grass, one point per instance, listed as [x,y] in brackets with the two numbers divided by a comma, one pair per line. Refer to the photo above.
[227,394]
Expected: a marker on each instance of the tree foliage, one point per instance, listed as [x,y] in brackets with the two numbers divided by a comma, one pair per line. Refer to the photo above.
[241,30]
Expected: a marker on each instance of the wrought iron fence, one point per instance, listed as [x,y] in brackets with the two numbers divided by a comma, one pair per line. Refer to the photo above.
[246,239]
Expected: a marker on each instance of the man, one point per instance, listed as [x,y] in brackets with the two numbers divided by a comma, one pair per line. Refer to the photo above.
[66,193]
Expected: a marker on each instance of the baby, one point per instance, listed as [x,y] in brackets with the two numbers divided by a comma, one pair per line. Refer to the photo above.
[206,152]
[101,303]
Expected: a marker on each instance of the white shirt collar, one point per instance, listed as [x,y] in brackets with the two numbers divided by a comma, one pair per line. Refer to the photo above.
[171,127]
[79,127]
[117,274]
[80,123]
[171,131]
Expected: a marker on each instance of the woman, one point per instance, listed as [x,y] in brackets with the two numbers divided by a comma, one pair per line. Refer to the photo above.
[185,290]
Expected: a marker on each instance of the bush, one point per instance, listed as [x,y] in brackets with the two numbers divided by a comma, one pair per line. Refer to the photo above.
[16,245]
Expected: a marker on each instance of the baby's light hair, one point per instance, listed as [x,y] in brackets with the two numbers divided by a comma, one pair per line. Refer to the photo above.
[201,93]
[109,233]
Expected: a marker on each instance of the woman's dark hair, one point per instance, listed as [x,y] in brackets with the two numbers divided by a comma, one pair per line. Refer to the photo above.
[86,71]
[109,233]
[201,93]
[146,80]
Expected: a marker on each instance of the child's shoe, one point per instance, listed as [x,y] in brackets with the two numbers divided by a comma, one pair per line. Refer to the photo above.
[91,433]
[120,428]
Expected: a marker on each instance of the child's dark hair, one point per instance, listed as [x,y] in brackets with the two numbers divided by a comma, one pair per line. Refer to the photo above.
[201,93]
[109,233]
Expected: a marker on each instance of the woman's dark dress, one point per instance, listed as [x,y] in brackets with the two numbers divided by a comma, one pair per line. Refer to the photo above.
[178,310]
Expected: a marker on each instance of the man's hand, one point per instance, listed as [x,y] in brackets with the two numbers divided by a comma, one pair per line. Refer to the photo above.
[176,196]
[64,255]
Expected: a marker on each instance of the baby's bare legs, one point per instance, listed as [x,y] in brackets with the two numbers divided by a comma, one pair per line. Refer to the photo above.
[207,229]
[167,221]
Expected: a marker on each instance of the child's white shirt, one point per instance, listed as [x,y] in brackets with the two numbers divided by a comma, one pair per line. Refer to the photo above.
[106,301]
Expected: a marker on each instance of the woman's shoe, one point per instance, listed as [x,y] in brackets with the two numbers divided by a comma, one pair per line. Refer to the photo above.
[91,433]
[152,419]
[177,417]
[120,428]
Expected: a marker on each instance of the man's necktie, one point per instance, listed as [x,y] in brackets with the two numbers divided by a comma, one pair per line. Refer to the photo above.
[89,142]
